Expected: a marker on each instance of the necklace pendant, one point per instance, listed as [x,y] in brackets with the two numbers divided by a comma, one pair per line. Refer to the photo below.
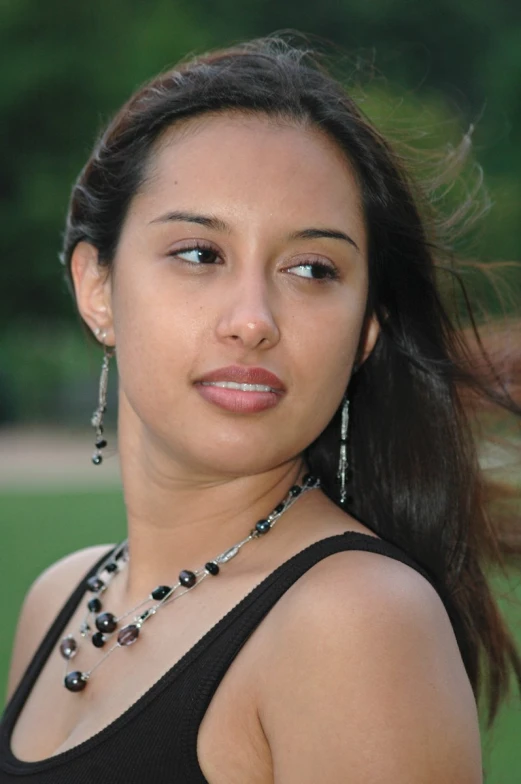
[95,584]
[128,635]
[160,592]
[75,681]
[187,578]
[98,640]
[94,605]
[262,527]
[106,623]
[140,619]
[68,647]
[228,555]
[84,629]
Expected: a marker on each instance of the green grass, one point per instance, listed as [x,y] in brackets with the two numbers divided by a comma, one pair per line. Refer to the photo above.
[36,529]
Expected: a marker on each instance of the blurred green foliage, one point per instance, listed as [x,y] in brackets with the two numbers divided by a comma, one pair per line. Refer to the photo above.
[430,70]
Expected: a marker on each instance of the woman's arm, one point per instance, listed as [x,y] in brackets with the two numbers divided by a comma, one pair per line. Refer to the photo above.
[365,683]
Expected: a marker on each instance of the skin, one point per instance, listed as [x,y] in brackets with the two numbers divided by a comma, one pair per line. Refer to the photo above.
[280,714]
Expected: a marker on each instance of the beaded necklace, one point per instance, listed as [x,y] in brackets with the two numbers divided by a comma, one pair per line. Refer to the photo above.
[108,625]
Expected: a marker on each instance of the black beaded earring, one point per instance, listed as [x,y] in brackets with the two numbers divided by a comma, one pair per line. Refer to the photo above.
[342,462]
[97,417]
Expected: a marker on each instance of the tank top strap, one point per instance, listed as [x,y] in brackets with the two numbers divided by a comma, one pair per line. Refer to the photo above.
[211,658]
[47,644]
[260,600]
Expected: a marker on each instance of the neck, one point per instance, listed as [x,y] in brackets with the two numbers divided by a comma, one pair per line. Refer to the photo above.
[179,519]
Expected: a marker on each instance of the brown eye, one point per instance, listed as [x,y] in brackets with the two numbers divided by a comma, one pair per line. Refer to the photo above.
[197,255]
[315,270]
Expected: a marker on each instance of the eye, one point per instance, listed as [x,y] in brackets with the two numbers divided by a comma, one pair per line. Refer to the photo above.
[197,254]
[315,270]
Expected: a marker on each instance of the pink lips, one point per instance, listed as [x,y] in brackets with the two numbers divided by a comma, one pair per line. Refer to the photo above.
[237,400]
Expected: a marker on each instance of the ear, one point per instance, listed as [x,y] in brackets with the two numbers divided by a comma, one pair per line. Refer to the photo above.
[92,285]
[368,339]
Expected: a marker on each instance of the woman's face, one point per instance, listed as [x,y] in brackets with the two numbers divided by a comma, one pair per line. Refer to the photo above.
[243,252]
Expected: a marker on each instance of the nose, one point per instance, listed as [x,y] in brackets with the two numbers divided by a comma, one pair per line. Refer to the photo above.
[247,316]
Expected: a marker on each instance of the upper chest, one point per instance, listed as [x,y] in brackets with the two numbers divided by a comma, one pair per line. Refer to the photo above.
[229,736]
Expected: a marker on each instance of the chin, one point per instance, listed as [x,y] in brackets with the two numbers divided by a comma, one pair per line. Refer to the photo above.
[241,457]
[239,463]
[230,448]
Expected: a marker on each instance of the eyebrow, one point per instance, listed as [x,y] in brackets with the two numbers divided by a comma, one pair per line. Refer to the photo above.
[211,222]
[331,234]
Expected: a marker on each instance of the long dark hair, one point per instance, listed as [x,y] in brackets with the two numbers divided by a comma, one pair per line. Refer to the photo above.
[415,478]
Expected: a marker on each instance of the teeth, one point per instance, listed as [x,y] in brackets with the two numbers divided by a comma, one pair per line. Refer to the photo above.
[234,385]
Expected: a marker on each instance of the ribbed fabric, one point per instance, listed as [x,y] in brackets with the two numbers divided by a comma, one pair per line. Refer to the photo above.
[155,740]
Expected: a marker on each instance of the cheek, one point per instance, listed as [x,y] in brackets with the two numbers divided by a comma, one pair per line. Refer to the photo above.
[326,349]
[330,338]
[157,333]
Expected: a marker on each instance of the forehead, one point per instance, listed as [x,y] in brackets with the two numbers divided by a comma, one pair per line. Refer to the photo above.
[262,163]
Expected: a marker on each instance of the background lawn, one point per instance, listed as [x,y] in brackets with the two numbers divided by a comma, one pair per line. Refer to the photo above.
[38,528]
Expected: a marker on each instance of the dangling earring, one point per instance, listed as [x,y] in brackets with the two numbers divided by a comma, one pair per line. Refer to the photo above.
[342,462]
[97,417]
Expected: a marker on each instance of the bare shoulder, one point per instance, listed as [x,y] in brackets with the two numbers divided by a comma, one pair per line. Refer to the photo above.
[44,601]
[365,681]
[353,585]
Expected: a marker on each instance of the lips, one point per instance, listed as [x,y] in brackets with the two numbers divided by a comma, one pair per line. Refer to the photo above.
[241,390]
[244,375]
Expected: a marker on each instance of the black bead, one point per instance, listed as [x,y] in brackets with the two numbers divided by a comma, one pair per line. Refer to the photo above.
[97,459]
[98,640]
[187,578]
[309,480]
[111,567]
[106,622]
[94,605]
[263,526]
[279,508]
[295,491]
[100,443]
[160,592]
[212,568]
[95,584]
[75,681]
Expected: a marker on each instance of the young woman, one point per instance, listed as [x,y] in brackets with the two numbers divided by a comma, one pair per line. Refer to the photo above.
[297,464]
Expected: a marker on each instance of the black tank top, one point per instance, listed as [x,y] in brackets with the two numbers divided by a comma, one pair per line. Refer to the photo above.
[155,740]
